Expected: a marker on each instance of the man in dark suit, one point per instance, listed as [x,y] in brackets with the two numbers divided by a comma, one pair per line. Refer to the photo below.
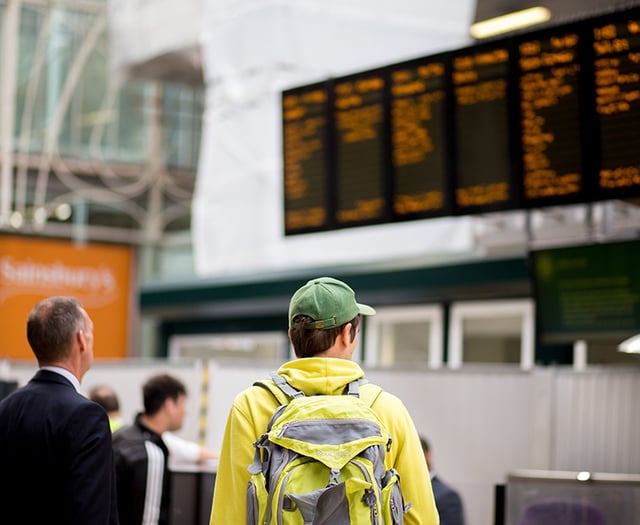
[56,460]
[448,500]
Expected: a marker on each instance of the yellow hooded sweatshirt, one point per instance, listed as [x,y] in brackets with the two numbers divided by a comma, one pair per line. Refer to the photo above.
[253,408]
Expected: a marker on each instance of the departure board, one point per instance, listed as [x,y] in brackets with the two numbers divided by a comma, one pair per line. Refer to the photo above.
[481,121]
[616,47]
[418,138]
[550,117]
[305,126]
[359,133]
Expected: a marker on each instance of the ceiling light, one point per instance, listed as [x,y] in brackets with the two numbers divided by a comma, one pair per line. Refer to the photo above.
[40,216]
[63,211]
[630,345]
[510,22]
[16,219]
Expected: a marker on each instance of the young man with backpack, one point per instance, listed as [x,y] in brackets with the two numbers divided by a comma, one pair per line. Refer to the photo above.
[317,443]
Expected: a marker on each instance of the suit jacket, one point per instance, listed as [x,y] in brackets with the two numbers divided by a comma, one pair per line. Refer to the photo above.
[448,502]
[56,460]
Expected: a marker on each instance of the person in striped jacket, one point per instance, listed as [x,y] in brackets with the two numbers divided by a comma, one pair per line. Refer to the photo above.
[141,456]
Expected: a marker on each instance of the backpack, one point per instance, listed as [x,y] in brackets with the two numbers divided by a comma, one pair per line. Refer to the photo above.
[321,462]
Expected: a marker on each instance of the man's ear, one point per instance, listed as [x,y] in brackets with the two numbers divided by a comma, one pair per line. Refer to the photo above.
[345,335]
[81,342]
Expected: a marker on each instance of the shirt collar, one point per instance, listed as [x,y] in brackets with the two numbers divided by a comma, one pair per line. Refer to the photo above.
[64,373]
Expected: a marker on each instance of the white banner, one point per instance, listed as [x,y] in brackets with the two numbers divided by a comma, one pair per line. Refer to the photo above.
[142,31]
[254,49]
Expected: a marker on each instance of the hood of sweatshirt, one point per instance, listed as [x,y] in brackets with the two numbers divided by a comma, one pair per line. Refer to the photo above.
[320,375]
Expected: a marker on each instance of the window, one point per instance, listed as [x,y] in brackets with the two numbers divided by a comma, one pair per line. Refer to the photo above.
[405,336]
[492,332]
[262,346]
[601,352]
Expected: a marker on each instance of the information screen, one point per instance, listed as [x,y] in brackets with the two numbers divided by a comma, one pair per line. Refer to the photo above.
[545,118]
[481,122]
[549,87]
[588,291]
[418,138]
[306,169]
[616,47]
[358,113]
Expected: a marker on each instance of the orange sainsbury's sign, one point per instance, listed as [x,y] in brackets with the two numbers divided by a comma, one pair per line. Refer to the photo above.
[98,275]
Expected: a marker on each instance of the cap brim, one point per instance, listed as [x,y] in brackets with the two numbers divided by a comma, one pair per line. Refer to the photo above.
[365,309]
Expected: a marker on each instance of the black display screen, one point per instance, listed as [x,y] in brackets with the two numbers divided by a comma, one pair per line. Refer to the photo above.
[549,96]
[616,49]
[359,133]
[418,100]
[482,135]
[545,118]
[590,291]
[306,166]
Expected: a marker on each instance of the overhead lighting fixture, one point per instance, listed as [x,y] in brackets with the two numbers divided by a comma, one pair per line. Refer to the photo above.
[63,211]
[510,22]
[40,216]
[16,220]
[631,345]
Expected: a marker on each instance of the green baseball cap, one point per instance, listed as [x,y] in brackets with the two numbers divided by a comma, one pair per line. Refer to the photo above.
[329,302]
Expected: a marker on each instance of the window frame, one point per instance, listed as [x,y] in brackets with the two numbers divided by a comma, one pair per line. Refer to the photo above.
[461,311]
[433,314]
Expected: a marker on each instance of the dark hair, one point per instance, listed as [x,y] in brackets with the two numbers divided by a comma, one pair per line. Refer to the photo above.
[105,397]
[52,326]
[311,342]
[424,443]
[158,389]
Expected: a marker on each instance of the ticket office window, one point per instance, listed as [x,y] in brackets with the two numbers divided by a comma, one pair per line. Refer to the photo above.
[408,335]
[260,346]
[499,332]
[601,352]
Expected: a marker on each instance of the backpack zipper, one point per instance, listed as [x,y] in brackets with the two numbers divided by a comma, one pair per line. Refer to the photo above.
[371,491]
[368,426]
[272,480]
[279,518]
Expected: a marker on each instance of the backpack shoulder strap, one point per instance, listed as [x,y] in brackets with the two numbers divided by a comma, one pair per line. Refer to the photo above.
[284,392]
[269,385]
[370,393]
[282,384]
[281,390]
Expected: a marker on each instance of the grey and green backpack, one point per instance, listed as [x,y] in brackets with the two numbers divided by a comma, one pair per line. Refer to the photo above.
[321,462]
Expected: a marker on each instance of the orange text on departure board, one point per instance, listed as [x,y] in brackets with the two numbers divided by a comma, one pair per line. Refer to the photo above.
[304,123]
[363,210]
[617,78]
[306,218]
[359,117]
[480,79]
[549,73]
[615,90]
[303,134]
[480,195]
[415,93]
[408,204]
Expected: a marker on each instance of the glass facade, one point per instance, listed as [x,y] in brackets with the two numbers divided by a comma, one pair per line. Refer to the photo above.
[83,134]
[102,118]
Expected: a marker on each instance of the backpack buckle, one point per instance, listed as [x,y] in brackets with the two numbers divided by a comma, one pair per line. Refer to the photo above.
[334,477]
